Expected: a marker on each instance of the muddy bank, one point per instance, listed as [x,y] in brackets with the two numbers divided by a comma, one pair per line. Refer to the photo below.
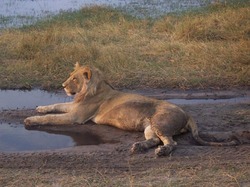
[110,162]
[197,104]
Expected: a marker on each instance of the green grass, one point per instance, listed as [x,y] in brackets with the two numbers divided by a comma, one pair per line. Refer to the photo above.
[198,49]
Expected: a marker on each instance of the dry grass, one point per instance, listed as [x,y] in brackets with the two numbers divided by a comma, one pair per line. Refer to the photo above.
[192,50]
[174,175]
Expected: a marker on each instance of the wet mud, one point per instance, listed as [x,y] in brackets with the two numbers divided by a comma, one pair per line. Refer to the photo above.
[108,149]
[14,137]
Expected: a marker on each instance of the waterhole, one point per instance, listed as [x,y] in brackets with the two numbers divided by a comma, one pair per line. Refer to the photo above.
[14,137]
[17,138]
[15,13]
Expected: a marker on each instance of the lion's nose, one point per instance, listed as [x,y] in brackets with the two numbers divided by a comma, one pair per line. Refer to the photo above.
[63,85]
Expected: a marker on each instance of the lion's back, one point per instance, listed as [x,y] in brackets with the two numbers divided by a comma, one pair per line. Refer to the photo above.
[126,111]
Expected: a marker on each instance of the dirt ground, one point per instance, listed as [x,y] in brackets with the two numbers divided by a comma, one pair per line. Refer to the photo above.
[111,164]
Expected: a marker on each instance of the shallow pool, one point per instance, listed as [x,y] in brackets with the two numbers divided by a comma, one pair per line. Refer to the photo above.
[16,99]
[17,138]
[14,137]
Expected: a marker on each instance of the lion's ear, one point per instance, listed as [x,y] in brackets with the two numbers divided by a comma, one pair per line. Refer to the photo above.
[77,65]
[87,73]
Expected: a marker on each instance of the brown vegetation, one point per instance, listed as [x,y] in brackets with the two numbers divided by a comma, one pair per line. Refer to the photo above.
[191,50]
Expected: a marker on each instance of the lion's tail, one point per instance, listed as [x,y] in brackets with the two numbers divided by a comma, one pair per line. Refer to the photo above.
[194,129]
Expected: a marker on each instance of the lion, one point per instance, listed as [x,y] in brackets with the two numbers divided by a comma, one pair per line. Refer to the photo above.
[96,100]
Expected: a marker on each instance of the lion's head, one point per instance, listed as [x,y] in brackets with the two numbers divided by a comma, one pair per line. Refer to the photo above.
[83,81]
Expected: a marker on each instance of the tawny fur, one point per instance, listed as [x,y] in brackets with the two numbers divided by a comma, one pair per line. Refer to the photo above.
[97,101]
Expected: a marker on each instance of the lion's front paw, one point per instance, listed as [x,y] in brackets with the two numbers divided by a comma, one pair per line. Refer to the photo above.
[164,150]
[42,109]
[137,148]
[28,121]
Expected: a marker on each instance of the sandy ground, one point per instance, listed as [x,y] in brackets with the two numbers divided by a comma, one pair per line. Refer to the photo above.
[111,164]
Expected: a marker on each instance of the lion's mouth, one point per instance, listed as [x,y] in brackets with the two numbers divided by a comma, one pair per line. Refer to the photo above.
[69,93]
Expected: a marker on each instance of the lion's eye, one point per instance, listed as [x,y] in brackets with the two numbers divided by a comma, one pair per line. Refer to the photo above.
[74,79]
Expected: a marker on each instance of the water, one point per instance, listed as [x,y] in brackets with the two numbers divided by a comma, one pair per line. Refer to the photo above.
[14,137]
[30,99]
[17,138]
[210,101]
[14,13]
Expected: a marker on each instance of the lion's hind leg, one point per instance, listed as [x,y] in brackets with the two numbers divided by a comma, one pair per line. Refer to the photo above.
[164,132]
[151,141]
[167,122]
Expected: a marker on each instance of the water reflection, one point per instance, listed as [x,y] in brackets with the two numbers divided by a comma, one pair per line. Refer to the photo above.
[14,137]
[17,138]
